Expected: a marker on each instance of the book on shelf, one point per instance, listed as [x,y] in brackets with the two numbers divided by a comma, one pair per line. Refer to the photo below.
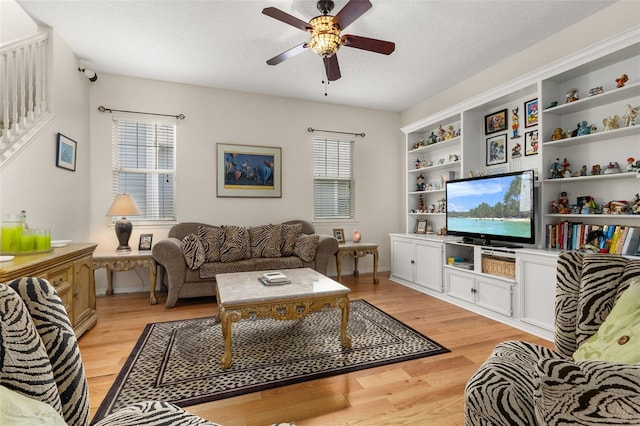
[614,239]
[274,278]
[632,242]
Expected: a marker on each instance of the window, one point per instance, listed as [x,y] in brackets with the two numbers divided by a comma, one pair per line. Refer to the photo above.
[333,183]
[144,166]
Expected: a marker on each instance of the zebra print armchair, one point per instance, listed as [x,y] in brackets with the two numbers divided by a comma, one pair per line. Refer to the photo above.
[40,359]
[527,384]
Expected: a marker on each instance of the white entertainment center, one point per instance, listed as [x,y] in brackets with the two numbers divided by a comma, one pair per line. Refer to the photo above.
[517,285]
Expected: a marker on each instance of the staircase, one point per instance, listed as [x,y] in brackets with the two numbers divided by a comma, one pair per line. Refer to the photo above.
[25,74]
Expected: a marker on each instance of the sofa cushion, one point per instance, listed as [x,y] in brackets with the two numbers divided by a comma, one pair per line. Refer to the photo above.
[16,409]
[290,234]
[267,264]
[306,246]
[618,338]
[210,270]
[193,251]
[236,245]
[265,240]
[212,238]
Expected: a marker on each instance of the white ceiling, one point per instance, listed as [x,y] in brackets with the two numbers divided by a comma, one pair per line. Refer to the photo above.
[225,44]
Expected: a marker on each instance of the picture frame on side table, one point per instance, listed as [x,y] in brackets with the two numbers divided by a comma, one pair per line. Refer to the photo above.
[497,149]
[421,226]
[66,153]
[531,143]
[495,122]
[531,113]
[145,242]
[249,171]
[338,234]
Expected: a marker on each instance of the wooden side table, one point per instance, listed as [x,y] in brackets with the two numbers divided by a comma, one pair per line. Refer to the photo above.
[357,250]
[115,261]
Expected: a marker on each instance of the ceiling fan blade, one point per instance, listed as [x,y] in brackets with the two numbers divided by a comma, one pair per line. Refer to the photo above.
[370,44]
[350,12]
[286,18]
[287,54]
[332,68]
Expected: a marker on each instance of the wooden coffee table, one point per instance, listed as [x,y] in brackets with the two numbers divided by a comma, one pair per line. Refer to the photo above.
[241,295]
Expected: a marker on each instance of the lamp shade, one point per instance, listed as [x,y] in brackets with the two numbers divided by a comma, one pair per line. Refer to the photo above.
[123,205]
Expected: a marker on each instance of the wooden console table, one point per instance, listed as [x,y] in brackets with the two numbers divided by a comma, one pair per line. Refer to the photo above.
[69,270]
[115,261]
[357,250]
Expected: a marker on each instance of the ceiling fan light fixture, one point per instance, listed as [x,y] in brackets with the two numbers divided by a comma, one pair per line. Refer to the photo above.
[325,38]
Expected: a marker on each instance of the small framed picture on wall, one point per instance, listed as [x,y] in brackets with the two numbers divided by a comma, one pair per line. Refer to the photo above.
[531,113]
[531,143]
[497,149]
[495,122]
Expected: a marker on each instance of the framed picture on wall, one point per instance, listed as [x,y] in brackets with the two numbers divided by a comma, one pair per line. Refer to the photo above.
[497,149]
[531,142]
[531,113]
[249,171]
[495,122]
[66,153]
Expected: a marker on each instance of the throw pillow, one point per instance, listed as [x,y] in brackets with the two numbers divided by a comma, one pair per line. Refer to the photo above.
[212,238]
[265,240]
[193,251]
[306,246]
[618,338]
[17,409]
[236,244]
[290,234]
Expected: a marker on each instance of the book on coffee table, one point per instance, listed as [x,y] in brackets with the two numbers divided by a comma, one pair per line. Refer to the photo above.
[274,278]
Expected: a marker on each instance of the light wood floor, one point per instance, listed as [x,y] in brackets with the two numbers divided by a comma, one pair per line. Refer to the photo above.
[428,391]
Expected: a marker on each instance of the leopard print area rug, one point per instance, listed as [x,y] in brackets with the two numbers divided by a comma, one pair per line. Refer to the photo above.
[179,361]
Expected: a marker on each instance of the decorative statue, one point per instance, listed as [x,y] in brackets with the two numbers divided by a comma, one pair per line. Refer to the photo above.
[572,96]
[630,115]
[611,123]
[583,128]
[555,168]
[420,186]
[558,134]
[620,81]
[515,122]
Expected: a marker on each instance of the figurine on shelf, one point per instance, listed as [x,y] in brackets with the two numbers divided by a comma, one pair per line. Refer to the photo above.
[572,96]
[432,139]
[420,185]
[558,134]
[565,172]
[585,207]
[420,204]
[596,91]
[583,129]
[596,169]
[612,167]
[453,158]
[516,151]
[630,115]
[583,170]
[631,166]
[593,207]
[620,81]
[555,169]
[635,205]
[450,133]
[441,133]
[611,123]
[418,163]
[515,122]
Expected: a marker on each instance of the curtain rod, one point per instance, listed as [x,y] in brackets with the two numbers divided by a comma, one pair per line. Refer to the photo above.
[311,130]
[103,109]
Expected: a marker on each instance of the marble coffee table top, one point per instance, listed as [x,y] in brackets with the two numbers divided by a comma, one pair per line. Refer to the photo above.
[245,287]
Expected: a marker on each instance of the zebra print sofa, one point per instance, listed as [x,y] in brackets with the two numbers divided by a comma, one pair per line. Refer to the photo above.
[40,359]
[527,384]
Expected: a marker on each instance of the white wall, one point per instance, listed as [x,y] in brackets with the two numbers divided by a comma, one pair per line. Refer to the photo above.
[54,198]
[608,22]
[14,22]
[220,116]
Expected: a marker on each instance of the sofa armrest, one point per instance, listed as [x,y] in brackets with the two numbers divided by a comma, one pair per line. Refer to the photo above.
[326,250]
[586,392]
[168,252]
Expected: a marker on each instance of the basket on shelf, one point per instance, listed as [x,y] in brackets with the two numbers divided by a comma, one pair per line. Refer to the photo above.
[503,267]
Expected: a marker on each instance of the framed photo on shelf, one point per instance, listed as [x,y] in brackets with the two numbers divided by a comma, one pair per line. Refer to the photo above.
[421,226]
[338,234]
[249,171]
[497,149]
[531,113]
[145,242]
[495,122]
[66,153]
[531,143]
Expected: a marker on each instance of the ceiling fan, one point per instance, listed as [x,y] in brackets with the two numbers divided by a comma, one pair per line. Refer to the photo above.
[325,34]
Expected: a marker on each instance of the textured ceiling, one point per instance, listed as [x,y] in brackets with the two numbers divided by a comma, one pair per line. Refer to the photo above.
[224,44]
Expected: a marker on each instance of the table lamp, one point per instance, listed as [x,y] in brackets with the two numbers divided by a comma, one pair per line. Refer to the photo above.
[123,205]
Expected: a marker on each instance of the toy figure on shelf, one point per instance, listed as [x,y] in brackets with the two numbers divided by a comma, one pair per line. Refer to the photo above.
[583,129]
[620,81]
[630,115]
[450,133]
[420,185]
[612,167]
[572,96]
[441,133]
[432,139]
[635,205]
[555,169]
[596,169]
[631,166]
[558,134]
[611,123]
[515,122]
[420,204]
[516,151]
[593,207]
[418,163]
[583,170]
[585,207]
[565,172]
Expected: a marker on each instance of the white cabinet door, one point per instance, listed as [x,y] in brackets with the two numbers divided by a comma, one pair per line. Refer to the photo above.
[429,261]
[402,258]
[537,279]
[460,284]
[494,294]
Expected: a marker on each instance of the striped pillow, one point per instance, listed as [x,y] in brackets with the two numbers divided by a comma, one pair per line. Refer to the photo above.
[306,246]
[193,251]
[236,244]
[212,238]
[266,240]
[290,234]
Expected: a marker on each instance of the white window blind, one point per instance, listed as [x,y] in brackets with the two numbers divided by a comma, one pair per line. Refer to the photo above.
[144,166]
[333,185]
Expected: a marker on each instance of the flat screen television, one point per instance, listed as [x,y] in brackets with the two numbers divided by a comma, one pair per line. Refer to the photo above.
[495,208]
